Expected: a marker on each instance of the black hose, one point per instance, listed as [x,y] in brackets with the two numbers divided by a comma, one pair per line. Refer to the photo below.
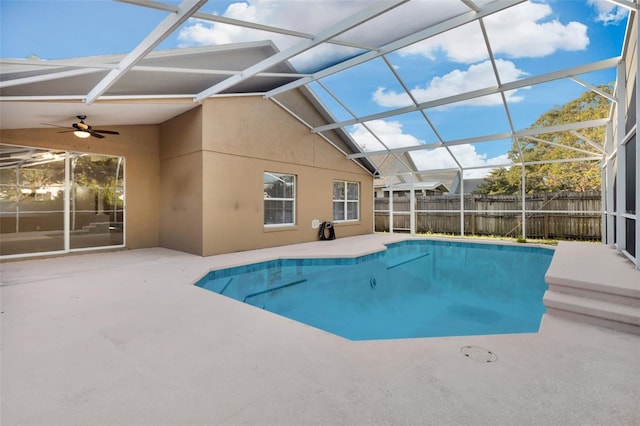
[324,227]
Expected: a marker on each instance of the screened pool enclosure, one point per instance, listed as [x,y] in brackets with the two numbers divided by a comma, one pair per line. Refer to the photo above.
[431,98]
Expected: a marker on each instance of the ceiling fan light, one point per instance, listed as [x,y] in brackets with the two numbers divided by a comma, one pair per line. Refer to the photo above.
[82,134]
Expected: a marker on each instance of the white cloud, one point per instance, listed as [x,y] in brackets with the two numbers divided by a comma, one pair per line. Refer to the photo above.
[518,32]
[466,155]
[469,157]
[295,15]
[524,30]
[392,134]
[307,17]
[475,77]
[608,13]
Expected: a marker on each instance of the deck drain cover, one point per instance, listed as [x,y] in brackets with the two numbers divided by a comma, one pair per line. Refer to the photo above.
[478,354]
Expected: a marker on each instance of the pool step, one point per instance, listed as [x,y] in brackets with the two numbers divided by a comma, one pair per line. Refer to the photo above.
[407,259]
[604,292]
[272,289]
[595,284]
[618,316]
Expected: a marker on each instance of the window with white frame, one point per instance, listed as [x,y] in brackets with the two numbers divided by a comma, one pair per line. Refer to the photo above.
[346,201]
[279,199]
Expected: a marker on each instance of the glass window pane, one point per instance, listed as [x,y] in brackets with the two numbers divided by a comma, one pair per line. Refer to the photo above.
[97,200]
[277,212]
[288,186]
[32,200]
[338,210]
[352,191]
[338,190]
[272,188]
[277,185]
[272,211]
[287,211]
[352,211]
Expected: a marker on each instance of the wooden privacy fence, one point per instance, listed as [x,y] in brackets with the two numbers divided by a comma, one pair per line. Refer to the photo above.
[561,215]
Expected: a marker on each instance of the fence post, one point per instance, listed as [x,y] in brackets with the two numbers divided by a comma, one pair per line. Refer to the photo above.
[391,211]
[523,215]
[545,220]
[473,214]
[412,207]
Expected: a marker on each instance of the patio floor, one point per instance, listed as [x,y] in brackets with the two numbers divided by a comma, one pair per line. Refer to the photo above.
[124,338]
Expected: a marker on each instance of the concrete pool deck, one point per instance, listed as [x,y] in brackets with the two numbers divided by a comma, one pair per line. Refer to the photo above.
[124,338]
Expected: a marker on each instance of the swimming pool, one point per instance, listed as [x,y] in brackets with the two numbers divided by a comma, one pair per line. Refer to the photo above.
[415,288]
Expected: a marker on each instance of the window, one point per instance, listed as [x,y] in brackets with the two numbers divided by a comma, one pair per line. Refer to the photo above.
[346,201]
[279,199]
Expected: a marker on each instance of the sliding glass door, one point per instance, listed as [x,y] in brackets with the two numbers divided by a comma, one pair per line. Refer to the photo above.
[56,201]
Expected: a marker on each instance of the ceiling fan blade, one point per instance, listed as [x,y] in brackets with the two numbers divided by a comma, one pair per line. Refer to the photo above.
[55,125]
[108,132]
[95,135]
[81,126]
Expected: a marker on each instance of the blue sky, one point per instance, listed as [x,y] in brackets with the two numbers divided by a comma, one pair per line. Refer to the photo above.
[527,40]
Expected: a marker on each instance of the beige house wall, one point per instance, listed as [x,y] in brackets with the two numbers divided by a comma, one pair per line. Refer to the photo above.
[195,182]
[139,145]
[181,172]
[242,138]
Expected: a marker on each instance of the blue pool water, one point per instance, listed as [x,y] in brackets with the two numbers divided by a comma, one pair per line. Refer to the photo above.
[415,288]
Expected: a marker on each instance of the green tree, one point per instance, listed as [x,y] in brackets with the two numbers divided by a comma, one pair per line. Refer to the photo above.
[98,174]
[576,176]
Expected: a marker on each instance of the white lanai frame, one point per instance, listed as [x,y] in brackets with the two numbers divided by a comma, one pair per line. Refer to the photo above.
[166,27]
[476,11]
[622,133]
[513,134]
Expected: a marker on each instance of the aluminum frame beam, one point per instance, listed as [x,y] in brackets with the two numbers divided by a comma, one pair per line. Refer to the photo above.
[627,4]
[594,89]
[354,20]
[240,23]
[155,37]
[374,134]
[513,85]
[47,77]
[493,166]
[431,31]
[587,140]
[559,145]
[145,68]
[489,138]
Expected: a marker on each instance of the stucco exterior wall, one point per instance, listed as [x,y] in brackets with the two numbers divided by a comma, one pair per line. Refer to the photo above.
[195,182]
[244,137]
[181,207]
[139,145]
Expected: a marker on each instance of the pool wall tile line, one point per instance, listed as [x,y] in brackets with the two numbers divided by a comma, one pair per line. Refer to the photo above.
[340,261]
